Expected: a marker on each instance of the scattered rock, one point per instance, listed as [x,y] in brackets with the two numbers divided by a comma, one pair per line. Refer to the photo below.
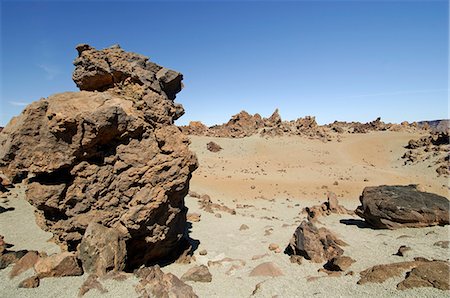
[25,263]
[91,283]
[296,259]
[274,247]
[243,227]
[442,244]
[58,265]
[395,207]
[198,273]
[326,208]
[402,250]
[155,283]
[315,244]
[193,217]
[102,249]
[340,263]
[30,282]
[11,257]
[203,252]
[213,147]
[266,269]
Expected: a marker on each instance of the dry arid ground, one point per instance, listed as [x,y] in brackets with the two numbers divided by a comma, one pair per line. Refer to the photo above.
[268,181]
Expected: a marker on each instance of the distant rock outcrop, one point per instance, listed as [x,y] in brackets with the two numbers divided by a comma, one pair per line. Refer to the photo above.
[395,207]
[434,147]
[109,154]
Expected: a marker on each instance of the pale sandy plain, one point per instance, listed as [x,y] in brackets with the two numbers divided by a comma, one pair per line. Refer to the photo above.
[276,178]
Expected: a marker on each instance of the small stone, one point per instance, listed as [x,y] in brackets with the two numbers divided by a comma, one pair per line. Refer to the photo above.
[273,246]
[296,259]
[243,227]
[218,215]
[30,282]
[402,250]
[442,244]
[203,252]
[199,274]
[193,217]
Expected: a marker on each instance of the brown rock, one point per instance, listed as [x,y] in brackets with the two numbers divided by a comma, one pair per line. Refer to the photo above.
[101,250]
[213,147]
[193,217]
[11,257]
[30,282]
[91,283]
[154,283]
[402,250]
[58,265]
[442,244]
[203,252]
[112,156]
[296,259]
[402,206]
[428,274]
[340,263]
[273,246]
[266,269]
[315,244]
[25,263]
[198,273]
[243,227]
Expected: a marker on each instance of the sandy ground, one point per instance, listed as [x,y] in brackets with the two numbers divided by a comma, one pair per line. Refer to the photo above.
[276,178]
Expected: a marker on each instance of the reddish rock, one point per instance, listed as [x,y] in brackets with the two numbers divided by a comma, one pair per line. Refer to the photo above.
[198,273]
[154,283]
[58,265]
[91,283]
[266,269]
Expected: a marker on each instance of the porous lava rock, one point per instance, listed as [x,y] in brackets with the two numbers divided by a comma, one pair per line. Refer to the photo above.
[401,206]
[109,154]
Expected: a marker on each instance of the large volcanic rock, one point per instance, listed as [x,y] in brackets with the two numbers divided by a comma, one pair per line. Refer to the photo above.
[109,155]
[402,206]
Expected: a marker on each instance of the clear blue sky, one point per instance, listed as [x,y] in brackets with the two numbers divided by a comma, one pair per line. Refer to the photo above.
[337,60]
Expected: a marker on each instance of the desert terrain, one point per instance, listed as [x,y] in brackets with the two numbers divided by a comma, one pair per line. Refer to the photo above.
[268,181]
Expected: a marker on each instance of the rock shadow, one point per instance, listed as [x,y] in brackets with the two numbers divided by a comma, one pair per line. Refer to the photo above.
[356,222]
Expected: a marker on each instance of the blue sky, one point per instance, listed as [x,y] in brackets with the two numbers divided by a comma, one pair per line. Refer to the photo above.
[336,60]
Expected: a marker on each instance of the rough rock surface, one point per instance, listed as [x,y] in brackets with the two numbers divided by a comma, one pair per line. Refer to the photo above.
[102,250]
[155,283]
[213,147]
[402,206]
[25,263]
[421,273]
[340,263]
[58,265]
[429,274]
[109,155]
[315,244]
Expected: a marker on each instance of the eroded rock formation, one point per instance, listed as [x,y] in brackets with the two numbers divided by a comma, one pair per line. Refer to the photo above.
[109,154]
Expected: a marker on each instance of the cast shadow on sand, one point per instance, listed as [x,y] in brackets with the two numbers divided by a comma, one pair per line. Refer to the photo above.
[356,222]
